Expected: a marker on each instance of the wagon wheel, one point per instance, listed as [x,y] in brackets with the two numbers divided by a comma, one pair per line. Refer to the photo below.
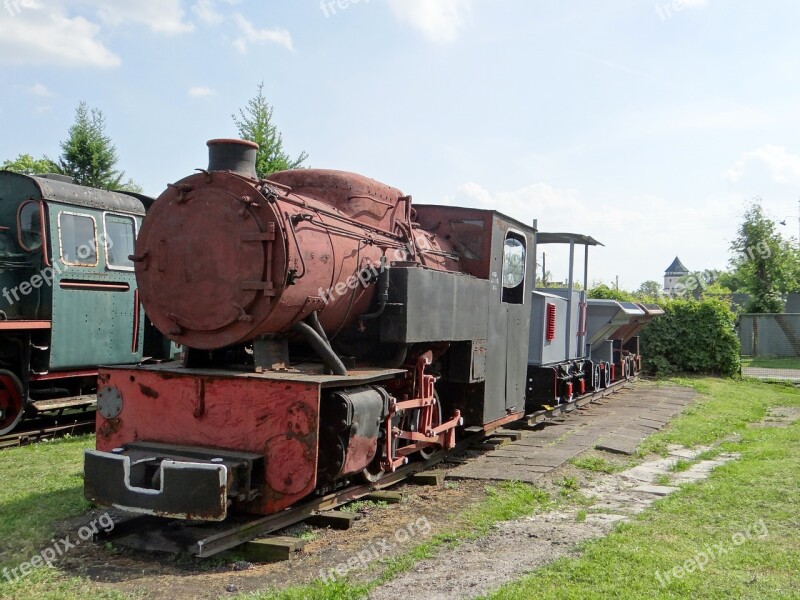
[11,404]
[597,384]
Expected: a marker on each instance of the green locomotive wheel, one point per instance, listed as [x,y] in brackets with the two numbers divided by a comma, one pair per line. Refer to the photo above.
[11,404]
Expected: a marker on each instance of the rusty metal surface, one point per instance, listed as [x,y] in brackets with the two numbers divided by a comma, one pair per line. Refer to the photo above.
[222,258]
[274,419]
[70,193]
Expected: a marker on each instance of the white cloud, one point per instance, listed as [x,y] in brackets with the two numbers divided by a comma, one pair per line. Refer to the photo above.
[782,166]
[68,33]
[205,11]
[439,20]
[49,37]
[250,35]
[38,89]
[200,91]
[160,16]
[648,231]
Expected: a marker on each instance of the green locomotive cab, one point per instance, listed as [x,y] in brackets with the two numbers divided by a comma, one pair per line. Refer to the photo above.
[68,297]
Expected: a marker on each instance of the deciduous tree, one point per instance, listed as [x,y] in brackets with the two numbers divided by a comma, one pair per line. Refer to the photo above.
[27,165]
[767,265]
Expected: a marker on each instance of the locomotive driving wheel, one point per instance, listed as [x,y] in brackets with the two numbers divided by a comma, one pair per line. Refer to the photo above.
[11,404]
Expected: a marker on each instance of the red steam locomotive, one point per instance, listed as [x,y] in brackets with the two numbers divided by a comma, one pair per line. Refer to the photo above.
[331,331]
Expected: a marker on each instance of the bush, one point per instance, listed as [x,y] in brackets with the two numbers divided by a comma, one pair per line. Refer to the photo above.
[603,292]
[692,337]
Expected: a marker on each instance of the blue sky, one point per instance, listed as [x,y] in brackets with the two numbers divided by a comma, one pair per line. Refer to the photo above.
[645,123]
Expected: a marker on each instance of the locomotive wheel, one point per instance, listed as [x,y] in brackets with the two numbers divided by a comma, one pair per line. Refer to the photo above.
[598,384]
[11,404]
[373,473]
[608,378]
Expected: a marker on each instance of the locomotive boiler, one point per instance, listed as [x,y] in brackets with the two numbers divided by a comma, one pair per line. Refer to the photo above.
[332,330]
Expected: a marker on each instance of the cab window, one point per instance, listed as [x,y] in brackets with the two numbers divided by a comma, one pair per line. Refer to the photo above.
[119,240]
[77,236]
[514,269]
[29,226]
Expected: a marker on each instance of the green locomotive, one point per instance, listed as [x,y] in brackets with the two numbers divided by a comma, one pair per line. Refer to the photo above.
[68,297]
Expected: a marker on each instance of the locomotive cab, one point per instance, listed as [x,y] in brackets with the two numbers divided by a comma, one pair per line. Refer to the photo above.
[68,299]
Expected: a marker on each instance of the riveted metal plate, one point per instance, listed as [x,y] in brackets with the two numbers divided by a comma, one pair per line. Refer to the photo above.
[109,402]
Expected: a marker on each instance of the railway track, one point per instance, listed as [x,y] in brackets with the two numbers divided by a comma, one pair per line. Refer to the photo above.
[46,428]
[153,534]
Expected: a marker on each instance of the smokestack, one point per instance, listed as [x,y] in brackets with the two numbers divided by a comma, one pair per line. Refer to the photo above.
[236,156]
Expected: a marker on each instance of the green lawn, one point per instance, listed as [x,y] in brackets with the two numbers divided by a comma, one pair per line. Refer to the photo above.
[771,363]
[758,492]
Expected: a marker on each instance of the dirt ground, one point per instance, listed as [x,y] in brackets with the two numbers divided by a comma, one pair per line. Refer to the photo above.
[165,576]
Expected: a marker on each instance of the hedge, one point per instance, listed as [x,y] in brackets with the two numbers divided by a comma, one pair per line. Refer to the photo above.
[692,337]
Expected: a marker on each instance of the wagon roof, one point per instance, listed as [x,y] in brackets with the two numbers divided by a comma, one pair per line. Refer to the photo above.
[78,195]
[566,238]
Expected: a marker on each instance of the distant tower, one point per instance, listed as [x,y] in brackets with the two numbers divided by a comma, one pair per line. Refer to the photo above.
[673,274]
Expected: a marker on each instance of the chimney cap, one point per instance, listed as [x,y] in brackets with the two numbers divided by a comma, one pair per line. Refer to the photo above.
[232,141]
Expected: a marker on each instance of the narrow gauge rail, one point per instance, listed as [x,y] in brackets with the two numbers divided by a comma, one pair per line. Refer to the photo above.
[153,534]
[46,428]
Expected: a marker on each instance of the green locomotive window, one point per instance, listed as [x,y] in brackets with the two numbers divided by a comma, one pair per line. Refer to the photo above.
[120,239]
[29,225]
[78,239]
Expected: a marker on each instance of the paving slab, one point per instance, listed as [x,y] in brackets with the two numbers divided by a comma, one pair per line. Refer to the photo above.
[618,423]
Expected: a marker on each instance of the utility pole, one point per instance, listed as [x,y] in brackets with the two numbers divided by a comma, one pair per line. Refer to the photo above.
[544,269]
[617,284]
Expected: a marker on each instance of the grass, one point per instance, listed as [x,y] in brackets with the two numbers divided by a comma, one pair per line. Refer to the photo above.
[363,505]
[662,479]
[681,465]
[45,489]
[758,492]
[596,464]
[766,362]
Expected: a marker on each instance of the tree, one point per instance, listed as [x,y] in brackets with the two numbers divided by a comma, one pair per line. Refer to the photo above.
[255,124]
[88,154]
[649,289]
[767,266]
[27,165]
